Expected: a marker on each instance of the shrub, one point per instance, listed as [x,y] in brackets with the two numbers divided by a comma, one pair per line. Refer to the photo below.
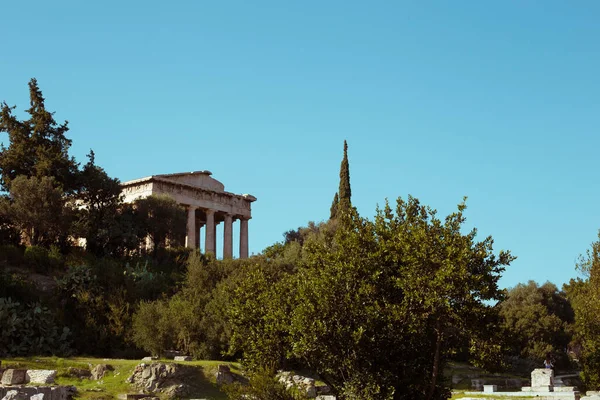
[11,255]
[38,258]
[29,329]
[264,386]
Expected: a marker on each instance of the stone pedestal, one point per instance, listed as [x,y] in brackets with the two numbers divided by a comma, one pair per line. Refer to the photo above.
[542,378]
[490,388]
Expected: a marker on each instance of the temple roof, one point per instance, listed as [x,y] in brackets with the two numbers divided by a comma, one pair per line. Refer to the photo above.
[196,179]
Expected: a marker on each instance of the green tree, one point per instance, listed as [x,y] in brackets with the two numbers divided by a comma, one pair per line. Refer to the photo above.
[341,200]
[585,299]
[376,307]
[345,193]
[537,322]
[38,146]
[161,218]
[38,209]
[100,198]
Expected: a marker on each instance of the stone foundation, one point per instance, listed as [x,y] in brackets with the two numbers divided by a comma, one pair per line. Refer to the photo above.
[40,393]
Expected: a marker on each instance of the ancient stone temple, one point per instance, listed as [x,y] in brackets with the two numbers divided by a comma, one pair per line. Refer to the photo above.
[207,204]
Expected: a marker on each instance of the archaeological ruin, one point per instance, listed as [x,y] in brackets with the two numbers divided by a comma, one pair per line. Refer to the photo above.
[207,204]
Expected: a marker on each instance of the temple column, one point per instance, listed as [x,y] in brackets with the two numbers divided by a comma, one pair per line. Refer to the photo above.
[190,240]
[228,237]
[210,238]
[198,233]
[243,238]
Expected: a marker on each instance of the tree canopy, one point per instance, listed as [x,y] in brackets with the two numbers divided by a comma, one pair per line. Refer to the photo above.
[37,146]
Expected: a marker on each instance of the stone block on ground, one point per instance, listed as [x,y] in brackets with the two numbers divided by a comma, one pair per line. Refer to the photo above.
[43,376]
[14,377]
[100,370]
[183,358]
[490,388]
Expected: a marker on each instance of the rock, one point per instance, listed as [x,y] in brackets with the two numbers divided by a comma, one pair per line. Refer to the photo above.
[223,368]
[311,392]
[183,358]
[14,377]
[323,389]
[14,395]
[165,378]
[150,358]
[79,372]
[100,370]
[175,391]
[43,376]
[224,375]
[38,396]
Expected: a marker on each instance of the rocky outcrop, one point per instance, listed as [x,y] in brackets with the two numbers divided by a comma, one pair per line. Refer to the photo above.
[100,370]
[168,379]
[302,383]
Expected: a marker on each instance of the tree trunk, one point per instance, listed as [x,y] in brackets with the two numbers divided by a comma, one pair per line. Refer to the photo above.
[436,361]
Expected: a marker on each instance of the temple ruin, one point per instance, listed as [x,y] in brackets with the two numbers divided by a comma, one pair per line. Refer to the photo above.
[207,204]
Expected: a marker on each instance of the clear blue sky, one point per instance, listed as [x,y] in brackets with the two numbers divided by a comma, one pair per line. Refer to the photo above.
[495,100]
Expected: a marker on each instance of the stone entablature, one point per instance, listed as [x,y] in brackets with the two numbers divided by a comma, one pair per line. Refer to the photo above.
[207,202]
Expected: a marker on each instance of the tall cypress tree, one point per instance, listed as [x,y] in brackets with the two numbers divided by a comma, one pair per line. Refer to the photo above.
[345,192]
[37,146]
[341,199]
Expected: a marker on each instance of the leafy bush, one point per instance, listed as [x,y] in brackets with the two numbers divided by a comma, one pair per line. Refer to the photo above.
[30,329]
[262,386]
[38,258]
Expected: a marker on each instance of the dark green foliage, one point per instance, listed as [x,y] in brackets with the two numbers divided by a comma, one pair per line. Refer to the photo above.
[98,301]
[30,330]
[344,192]
[537,321]
[38,146]
[193,319]
[161,218]
[37,208]
[98,220]
[37,258]
[9,234]
[262,385]
[11,255]
[584,295]
[376,307]
[334,206]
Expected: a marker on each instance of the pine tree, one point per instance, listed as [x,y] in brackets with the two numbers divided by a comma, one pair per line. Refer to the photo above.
[344,192]
[37,146]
